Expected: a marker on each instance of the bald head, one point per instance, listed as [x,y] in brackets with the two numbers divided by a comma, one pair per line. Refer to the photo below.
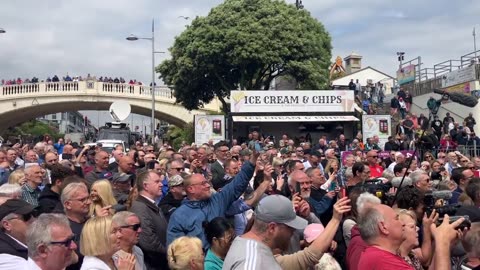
[101,160]
[125,164]
[68,149]
[302,179]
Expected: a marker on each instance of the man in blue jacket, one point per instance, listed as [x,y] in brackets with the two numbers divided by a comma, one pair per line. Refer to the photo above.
[201,206]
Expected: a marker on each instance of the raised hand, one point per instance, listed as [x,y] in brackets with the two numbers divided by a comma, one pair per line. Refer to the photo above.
[427,221]
[127,262]
[341,207]
[267,172]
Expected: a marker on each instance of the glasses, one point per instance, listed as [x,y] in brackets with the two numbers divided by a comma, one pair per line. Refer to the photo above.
[67,243]
[134,227]
[373,156]
[428,157]
[83,200]
[465,160]
[299,150]
[178,169]
[150,151]
[203,183]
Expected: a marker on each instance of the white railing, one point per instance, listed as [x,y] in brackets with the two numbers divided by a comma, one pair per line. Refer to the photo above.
[102,88]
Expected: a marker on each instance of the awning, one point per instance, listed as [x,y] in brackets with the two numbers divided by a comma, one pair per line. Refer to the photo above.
[295,118]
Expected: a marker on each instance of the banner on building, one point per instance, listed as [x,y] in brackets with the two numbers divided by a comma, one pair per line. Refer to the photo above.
[209,127]
[380,125]
[458,76]
[406,74]
[292,101]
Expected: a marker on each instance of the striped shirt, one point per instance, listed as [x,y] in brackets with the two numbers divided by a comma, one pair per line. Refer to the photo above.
[247,254]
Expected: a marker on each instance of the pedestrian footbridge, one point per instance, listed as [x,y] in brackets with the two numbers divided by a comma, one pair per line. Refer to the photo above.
[23,102]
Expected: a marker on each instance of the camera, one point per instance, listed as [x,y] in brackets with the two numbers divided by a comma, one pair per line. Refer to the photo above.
[378,188]
[438,201]
[465,224]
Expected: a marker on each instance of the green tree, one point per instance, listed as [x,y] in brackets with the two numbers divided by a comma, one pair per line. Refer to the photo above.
[245,44]
[32,128]
[176,135]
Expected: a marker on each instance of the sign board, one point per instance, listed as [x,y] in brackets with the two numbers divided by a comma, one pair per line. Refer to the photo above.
[209,127]
[380,125]
[458,76]
[406,74]
[292,101]
[294,118]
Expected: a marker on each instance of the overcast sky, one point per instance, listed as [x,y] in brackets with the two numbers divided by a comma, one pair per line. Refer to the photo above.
[55,37]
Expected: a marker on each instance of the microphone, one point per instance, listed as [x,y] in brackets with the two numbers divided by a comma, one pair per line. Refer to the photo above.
[459,98]
[406,182]
[442,194]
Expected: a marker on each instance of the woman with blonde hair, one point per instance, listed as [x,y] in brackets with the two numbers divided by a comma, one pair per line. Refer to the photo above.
[185,253]
[98,243]
[409,250]
[102,197]
[17,177]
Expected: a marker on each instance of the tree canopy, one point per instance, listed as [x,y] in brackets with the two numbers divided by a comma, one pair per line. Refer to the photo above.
[245,44]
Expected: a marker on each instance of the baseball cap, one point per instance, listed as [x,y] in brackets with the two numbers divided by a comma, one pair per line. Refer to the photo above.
[175,180]
[121,178]
[279,209]
[15,206]
[312,231]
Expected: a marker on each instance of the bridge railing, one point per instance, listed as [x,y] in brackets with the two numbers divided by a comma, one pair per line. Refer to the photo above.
[84,87]
[92,88]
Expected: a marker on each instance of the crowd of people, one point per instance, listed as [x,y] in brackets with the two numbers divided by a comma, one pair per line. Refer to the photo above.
[254,205]
[69,78]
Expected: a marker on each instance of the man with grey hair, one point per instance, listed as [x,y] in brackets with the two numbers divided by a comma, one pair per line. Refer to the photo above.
[10,191]
[51,244]
[357,245]
[15,216]
[421,180]
[76,202]
[127,224]
[34,178]
[383,232]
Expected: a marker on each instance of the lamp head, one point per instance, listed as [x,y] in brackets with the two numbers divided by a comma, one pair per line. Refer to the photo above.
[132,38]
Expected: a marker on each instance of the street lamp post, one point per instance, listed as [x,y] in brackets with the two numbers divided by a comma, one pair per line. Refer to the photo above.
[152,88]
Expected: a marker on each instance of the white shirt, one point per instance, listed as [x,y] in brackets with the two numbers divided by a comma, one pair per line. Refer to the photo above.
[31,265]
[93,263]
[11,262]
[150,200]
[390,168]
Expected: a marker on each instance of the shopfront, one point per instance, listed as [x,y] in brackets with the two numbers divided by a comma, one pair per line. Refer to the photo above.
[308,114]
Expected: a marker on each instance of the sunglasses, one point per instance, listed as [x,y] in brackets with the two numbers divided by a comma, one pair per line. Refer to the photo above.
[67,243]
[472,168]
[178,169]
[374,156]
[134,227]
[428,157]
[149,151]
